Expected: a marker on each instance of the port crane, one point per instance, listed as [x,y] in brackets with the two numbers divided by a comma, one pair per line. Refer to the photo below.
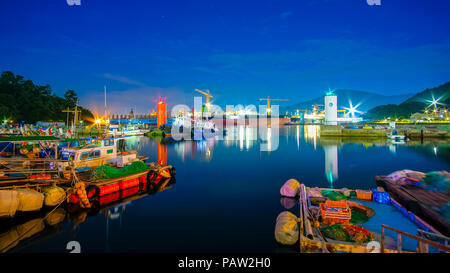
[207,95]
[316,107]
[344,111]
[268,99]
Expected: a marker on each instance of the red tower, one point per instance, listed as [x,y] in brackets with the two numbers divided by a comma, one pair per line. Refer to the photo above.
[161,112]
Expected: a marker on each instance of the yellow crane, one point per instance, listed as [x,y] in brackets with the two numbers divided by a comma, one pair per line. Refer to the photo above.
[268,99]
[207,95]
[344,111]
[316,107]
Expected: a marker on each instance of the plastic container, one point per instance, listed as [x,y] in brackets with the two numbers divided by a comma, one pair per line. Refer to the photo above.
[364,195]
[335,212]
[381,197]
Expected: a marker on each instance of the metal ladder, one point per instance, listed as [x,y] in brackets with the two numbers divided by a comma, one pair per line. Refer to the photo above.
[422,243]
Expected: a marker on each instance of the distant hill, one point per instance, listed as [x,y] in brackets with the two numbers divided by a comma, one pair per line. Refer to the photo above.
[414,104]
[368,100]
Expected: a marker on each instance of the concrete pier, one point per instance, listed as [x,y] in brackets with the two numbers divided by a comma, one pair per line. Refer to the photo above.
[411,133]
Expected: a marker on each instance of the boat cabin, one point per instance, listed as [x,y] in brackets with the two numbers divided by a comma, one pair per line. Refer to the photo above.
[98,152]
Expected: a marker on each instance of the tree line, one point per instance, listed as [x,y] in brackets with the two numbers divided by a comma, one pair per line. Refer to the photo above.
[22,100]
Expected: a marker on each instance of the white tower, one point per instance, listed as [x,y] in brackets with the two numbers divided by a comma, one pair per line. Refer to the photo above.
[330,108]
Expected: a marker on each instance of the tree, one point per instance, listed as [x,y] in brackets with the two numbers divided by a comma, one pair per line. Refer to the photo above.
[71,98]
[23,100]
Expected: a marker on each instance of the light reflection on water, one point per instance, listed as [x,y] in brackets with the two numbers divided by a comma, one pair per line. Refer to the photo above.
[226,197]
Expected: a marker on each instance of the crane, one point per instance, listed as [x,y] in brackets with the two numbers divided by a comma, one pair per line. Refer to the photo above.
[207,95]
[344,110]
[316,107]
[268,99]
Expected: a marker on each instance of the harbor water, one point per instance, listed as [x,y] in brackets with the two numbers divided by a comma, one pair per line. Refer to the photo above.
[226,197]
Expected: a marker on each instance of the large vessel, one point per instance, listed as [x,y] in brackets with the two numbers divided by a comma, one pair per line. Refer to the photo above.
[200,128]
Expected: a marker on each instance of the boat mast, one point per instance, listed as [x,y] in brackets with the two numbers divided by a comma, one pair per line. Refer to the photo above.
[75,117]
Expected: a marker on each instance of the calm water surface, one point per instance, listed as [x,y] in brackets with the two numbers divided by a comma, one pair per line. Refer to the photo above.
[226,196]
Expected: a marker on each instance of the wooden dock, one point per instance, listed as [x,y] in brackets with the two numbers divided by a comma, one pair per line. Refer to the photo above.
[420,202]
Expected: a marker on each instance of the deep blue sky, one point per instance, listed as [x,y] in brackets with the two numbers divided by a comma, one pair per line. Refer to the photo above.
[240,50]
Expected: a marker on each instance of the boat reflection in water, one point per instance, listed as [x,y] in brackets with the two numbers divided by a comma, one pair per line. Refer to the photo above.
[331,163]
[30,228]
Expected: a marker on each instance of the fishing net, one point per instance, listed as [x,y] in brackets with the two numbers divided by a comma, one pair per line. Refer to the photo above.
[358,234]
[445,211]
[336,232]
[106,172]
[406,177]
[348,233]
[333,195]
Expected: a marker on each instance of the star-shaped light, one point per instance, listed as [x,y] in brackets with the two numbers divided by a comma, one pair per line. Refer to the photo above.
[353,109]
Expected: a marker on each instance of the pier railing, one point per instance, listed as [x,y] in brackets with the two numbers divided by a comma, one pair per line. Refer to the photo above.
[422,243]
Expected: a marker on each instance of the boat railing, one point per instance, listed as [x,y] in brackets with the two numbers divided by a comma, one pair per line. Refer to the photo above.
[422,243]
[33,166]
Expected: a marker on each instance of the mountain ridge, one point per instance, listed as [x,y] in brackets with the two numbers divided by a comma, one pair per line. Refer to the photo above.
[416,103]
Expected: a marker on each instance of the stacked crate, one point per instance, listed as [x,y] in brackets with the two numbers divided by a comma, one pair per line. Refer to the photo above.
[335,212]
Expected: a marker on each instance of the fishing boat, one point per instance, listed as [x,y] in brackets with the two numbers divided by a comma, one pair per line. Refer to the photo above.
[128,130]
[395,136]
[99,152]
[82,187]
[17,234]
[81,173]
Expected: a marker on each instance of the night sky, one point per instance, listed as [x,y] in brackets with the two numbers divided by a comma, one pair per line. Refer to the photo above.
[240,50]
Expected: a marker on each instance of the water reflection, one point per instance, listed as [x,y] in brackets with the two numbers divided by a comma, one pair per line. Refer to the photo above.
[243,136]
[237,180]
[32,228]
[311,133]
[201,150]
[247,137]
[331,163]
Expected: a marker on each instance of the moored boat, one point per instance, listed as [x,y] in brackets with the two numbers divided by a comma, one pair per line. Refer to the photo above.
[355,221]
